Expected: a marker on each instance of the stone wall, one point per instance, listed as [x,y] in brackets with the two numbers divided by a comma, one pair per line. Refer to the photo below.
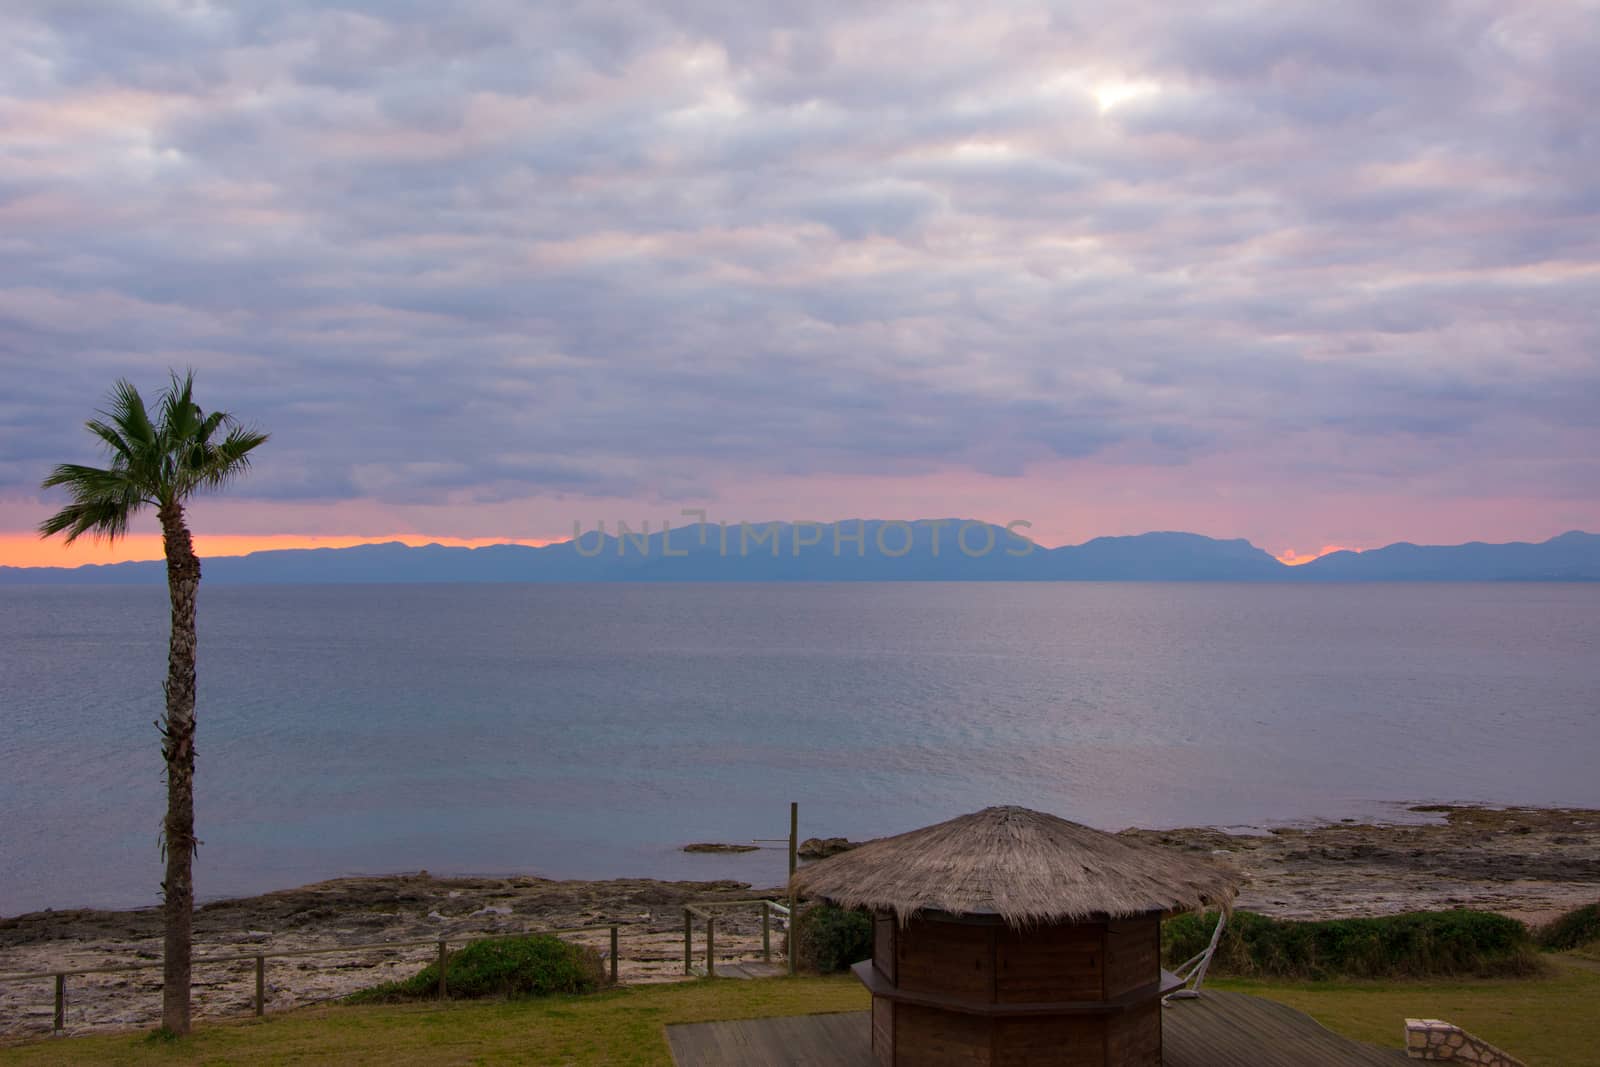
[1439,1041]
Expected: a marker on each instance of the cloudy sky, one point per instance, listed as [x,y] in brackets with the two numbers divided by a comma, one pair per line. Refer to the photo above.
[1312,274]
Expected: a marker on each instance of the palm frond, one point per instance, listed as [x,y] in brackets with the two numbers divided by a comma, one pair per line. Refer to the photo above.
[211,423]
[86,483]
[180,415]
[121,450]
[103,501]
[127,412]
[156,462]
[130,419]
[230,457]
[98,519]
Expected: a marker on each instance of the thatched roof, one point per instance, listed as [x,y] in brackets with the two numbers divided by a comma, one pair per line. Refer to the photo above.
[1024,866]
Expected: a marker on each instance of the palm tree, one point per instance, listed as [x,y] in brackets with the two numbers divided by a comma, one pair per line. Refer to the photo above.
[160,463]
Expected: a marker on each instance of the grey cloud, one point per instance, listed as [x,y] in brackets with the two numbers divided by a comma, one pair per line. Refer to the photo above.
[879,208]
[630,249]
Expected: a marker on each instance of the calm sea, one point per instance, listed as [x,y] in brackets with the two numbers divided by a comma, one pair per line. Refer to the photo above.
[589,731]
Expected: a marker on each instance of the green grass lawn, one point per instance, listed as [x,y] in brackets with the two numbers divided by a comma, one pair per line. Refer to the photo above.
[623,1026]
[1552,1020]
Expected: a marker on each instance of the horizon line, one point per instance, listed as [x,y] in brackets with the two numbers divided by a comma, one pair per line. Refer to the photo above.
[308,542]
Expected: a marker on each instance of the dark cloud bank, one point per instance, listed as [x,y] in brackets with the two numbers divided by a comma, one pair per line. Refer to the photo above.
[501,251]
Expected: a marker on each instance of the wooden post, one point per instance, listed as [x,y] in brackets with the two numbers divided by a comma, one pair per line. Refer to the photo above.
[261,985]
[711,946]
[794,836]
[766,931]
[444,989]
[61,1003]
[794,854]
[613,953]
[688,942]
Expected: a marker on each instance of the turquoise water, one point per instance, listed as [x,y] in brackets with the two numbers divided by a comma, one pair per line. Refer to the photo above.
[588,731]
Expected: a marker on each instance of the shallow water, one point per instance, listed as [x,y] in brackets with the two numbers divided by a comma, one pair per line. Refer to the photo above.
[588,731]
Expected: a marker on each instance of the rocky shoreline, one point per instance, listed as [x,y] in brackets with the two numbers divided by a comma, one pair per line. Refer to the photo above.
[1530,863]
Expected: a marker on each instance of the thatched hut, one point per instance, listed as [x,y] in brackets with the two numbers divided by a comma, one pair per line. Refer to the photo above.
[1011,936]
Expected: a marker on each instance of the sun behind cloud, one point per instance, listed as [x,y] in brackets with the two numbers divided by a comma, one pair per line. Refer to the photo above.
[1294,558]
[1111,93]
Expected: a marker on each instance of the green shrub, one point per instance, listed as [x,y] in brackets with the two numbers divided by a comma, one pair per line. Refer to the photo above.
[531,966]
[1575,929]
[1416,945]
[830,939]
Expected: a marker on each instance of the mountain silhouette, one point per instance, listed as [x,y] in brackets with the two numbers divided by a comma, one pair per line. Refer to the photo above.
[859,550]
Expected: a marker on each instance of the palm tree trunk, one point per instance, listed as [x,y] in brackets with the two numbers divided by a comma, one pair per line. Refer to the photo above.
[183,582]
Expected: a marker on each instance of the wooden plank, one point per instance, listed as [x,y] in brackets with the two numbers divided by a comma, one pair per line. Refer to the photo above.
[1134,1038]
[794,860]
[1133,954]
[948,958]
[928,1035]
[1052,963]
[884,926]
[833,1040]
[883,1029]
[1218,1029]
[1059,1041]
[749,969]
[868,976]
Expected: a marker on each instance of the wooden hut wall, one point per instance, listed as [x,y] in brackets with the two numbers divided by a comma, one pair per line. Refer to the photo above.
[985,962]
[929,1036]
[1061,1041]
[1050,963]
[1133,953]
[993,963]
[883,1010]
[1134,1036]
[953,958]
[885,931]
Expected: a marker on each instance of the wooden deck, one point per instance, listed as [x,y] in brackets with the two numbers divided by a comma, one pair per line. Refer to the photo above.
[751,969]
[1220,1028]
[1217,1030]
[841,1039]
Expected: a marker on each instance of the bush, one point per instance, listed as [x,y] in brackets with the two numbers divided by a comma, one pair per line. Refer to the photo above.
[1575,929]
[531,966]
[830,939]
[1416,945]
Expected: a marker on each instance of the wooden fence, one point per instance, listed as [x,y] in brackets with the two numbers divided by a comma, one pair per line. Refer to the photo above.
[260,959]
[706,912]
[703,910]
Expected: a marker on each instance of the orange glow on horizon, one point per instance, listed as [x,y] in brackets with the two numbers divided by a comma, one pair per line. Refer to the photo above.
[28,550]
[1295,559]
